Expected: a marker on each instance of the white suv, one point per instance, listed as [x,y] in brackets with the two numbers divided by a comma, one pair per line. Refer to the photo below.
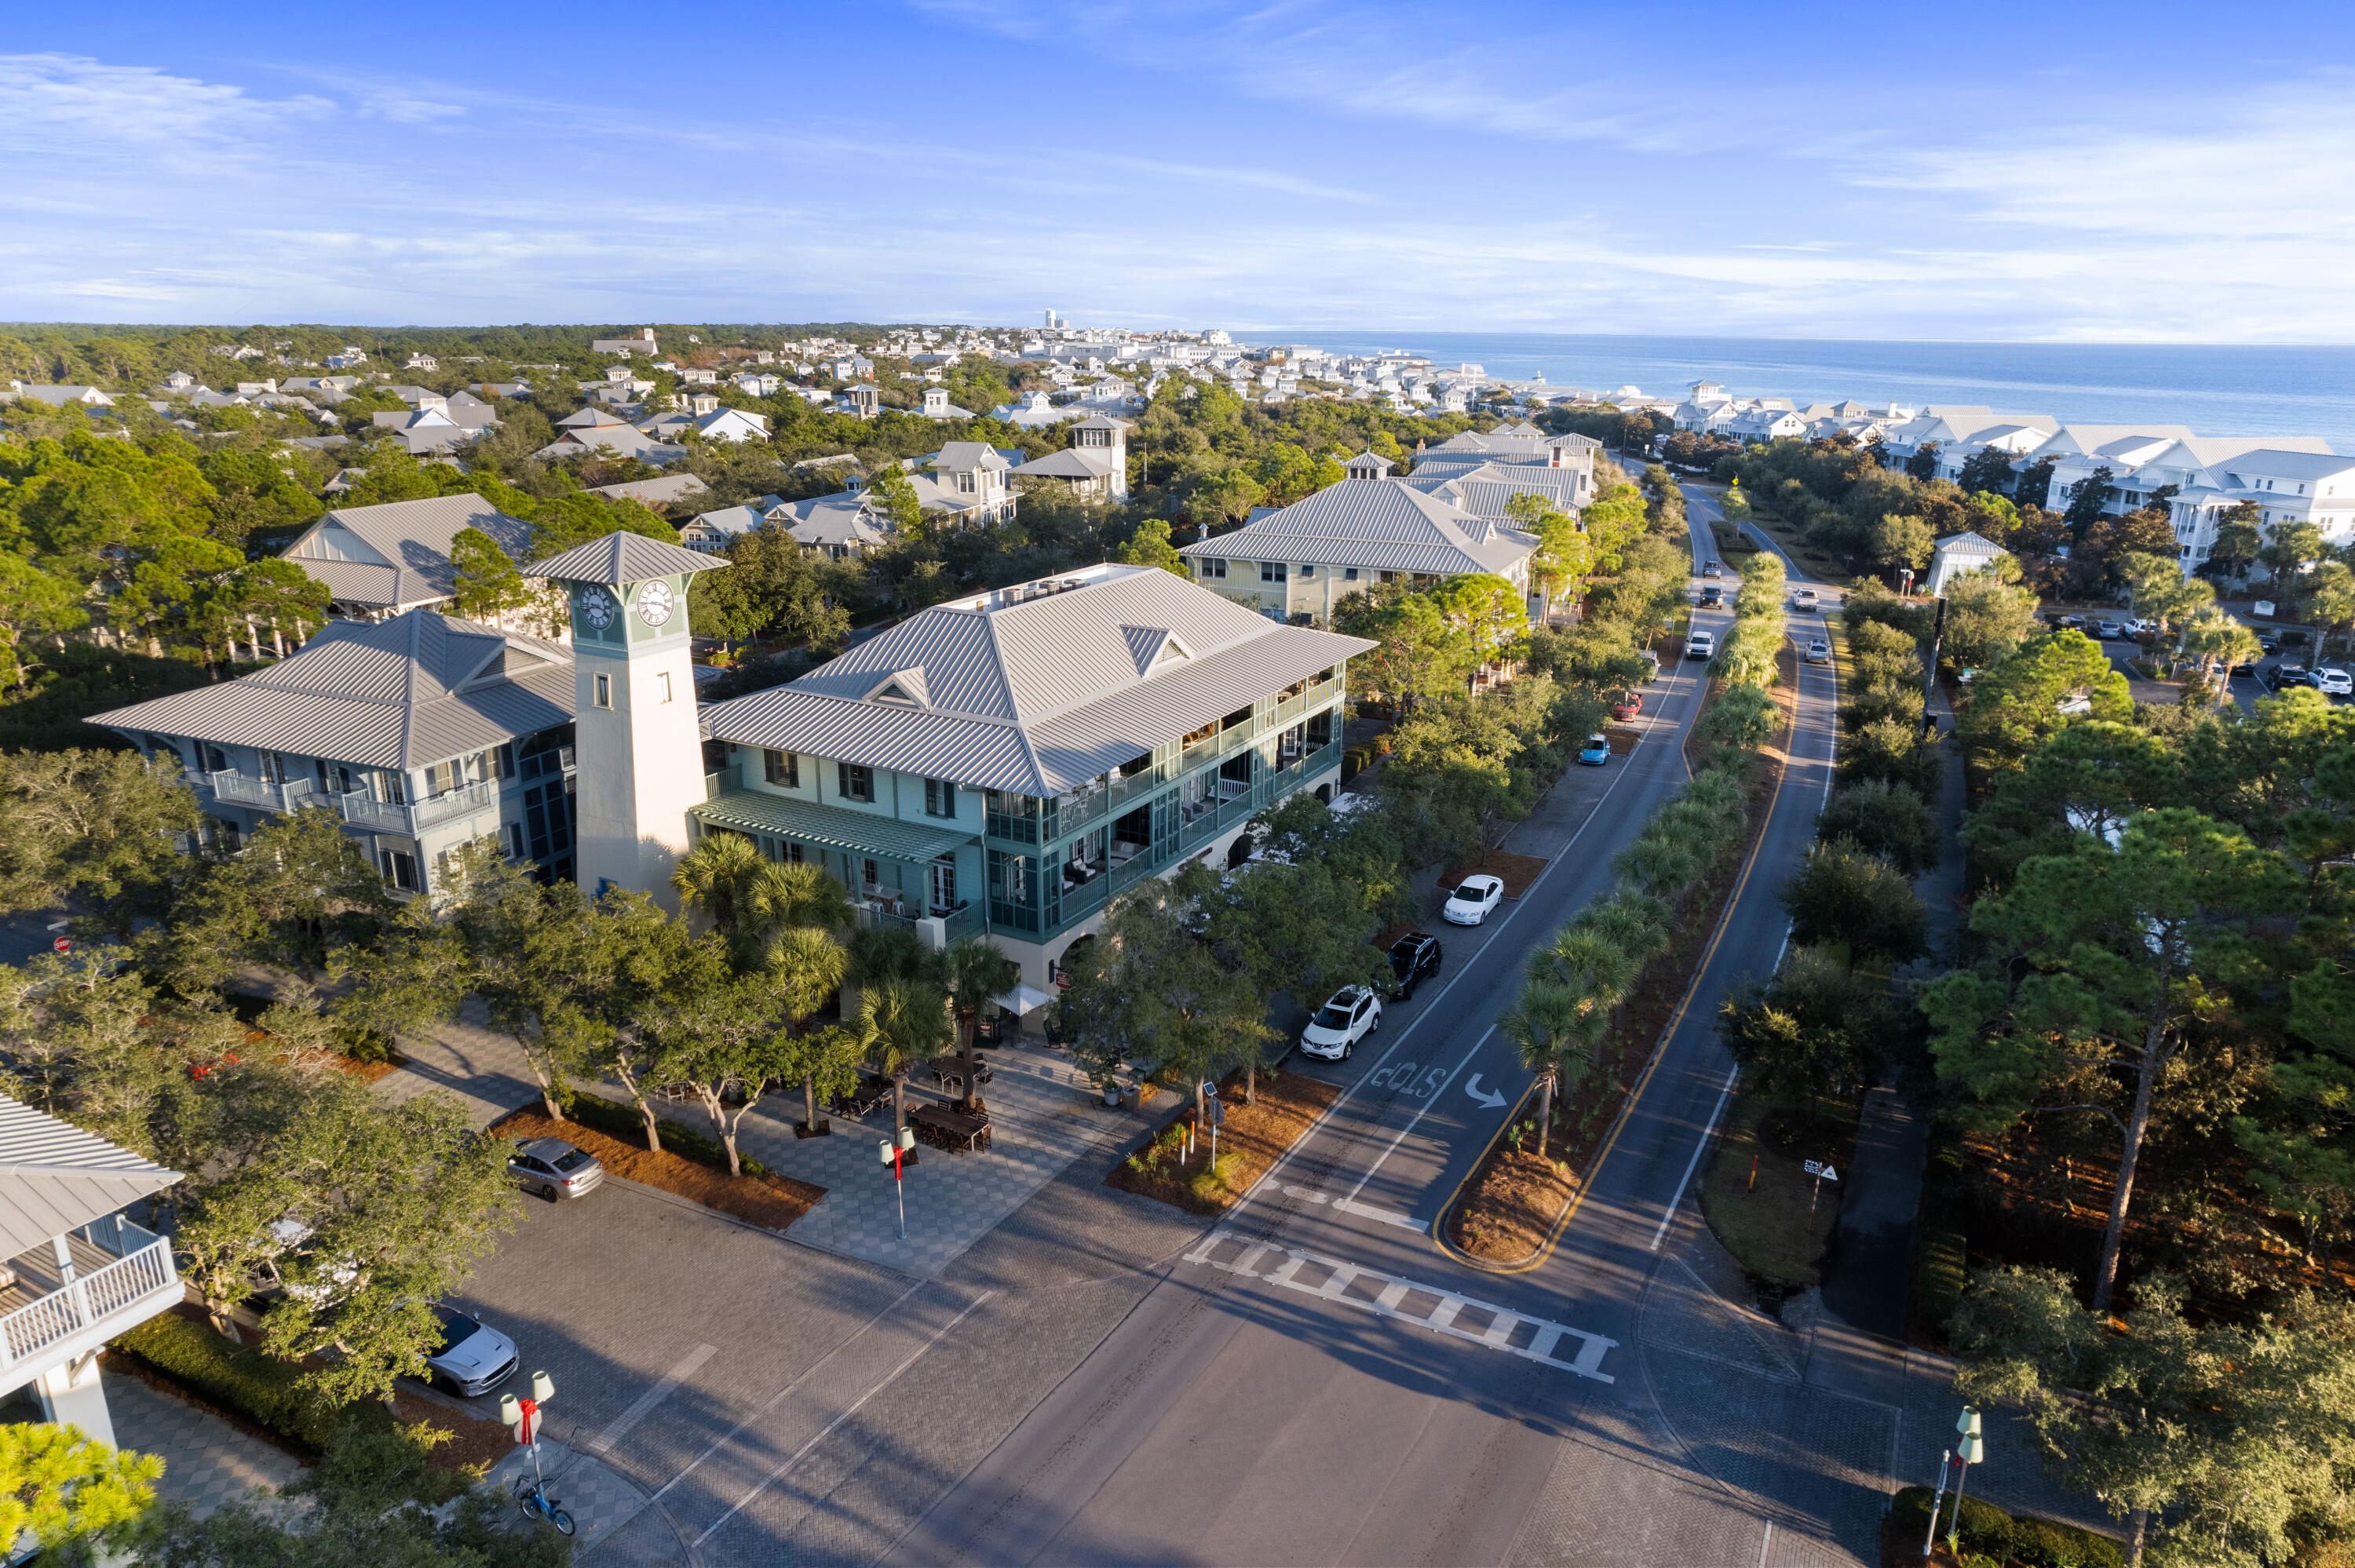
[1701,645]
[1354,1013]
[2334,682]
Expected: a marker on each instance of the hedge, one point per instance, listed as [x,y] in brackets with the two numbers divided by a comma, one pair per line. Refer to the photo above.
[623,1122]
[239,1378]
[2039,1543]
[1942,1255]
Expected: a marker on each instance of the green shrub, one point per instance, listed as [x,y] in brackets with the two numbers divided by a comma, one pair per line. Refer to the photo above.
[618,1120]
[1206,1184]
[1984,1527]
[2043,1543]
[263,1389]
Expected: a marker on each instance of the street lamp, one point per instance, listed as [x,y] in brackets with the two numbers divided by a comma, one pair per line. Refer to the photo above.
[1969,1449]
[889,1150]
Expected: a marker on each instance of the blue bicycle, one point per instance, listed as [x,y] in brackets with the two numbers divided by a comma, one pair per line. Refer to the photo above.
[532,1497]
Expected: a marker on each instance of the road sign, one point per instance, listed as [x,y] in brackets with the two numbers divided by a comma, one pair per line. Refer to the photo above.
[1821,1168]
[1218,1110]
[63,944]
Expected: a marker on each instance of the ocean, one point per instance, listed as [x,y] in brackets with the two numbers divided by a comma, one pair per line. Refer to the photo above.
[2216,389]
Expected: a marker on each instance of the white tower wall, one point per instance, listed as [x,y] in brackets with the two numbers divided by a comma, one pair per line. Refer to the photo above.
[641,768]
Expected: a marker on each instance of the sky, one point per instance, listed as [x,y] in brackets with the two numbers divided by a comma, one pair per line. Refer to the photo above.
[2076,172]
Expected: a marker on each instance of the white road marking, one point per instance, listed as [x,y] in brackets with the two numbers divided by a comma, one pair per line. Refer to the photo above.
[1418,1115]
[645,1404]
[893,1376]
[1363,1211]
[1731,1073]
[1440,1318]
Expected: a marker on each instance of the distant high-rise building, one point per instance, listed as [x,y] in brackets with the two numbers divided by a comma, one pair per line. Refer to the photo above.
[1055,322]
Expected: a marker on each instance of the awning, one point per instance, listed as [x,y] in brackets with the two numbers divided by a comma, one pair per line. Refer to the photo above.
[828,827]
[1023,999]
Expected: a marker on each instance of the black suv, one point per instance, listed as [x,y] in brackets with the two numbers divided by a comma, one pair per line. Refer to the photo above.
[1713,595]
[1412,958]
[2282,675]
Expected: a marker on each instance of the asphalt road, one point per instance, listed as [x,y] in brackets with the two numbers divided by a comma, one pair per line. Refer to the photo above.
[1316,1380]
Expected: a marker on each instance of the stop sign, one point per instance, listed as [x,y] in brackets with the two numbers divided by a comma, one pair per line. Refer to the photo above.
[63,944]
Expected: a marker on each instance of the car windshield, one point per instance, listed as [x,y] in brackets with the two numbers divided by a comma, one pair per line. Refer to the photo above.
[1332,1017]
[457,1327]
[1472,892]
[570,1159]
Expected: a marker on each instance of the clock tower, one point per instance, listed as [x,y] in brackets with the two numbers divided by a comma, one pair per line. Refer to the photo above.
[635,726]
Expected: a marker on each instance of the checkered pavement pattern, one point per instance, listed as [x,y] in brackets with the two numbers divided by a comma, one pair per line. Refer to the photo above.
[1042,1116]
[206,1461]
[600,1502]
[484,1068]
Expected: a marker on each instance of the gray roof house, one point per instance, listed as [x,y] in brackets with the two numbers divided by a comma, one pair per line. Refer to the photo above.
[1094,466]
[423,733]
[78,1273]
[967,481]
[1003,763]
[834,525]
[58,397]
[1302,559]
[658,493]
[394,556]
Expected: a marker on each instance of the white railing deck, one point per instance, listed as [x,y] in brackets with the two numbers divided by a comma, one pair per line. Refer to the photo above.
[89,1299]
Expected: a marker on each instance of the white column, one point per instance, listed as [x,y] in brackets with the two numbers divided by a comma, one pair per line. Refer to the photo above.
[75,1399]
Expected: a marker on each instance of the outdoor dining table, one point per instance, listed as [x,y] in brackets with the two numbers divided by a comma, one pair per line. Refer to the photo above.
[951,1073]
[874,1089]
[950,1127]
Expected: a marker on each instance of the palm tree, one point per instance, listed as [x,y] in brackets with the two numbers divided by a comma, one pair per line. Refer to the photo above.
[1659,864]
[709,877]
[1542,1026]
[977,974]
[774,895]
[903,1021]
[1583,957]
[1639,925]
[807,965]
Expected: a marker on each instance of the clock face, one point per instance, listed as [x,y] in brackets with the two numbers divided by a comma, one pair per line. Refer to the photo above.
[597,607]
[654,603]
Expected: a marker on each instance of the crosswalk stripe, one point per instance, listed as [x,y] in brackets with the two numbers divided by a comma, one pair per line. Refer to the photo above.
[1503,1322]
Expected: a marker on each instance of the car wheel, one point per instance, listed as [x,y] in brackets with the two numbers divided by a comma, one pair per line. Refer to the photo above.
[549,1193]
[1376,1026]
[1346,1052]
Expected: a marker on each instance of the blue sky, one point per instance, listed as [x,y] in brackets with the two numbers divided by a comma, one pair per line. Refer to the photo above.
[2153,171]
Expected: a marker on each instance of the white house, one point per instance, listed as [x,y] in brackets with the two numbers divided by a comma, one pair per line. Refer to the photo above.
[1957,553]
[77,1272]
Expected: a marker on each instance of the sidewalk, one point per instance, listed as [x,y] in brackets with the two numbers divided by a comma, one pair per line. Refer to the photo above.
[206,1462]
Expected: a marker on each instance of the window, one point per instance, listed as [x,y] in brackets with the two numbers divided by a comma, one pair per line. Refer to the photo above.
[515,840]
[782,768]
[604,690]
[964,483]
[943,889]
[440,778]
[214,759]
[1349,574]
[858,783]
[662,680]
[401,870]
[940,798]
[1213,569]
[1309,569]
[1271,571]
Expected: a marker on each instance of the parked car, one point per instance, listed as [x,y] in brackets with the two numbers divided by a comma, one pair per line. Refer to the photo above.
[1596,751]
[2334,682]
[1713,570]
[1414,957]
[1473,899]
[2109,630]
[1628,707]
[1806,599]
[1652,659]
[1819,651]
[2268,643]
[474,1358]
[2282,677]
[2067,622]
[1353,1013]
[1701,645]
[2245,667]
[554,1168]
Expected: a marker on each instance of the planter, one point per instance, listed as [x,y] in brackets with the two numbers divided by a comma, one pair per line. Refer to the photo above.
[824,1129]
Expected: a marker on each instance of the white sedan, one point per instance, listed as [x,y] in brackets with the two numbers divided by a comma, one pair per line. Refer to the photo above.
[1471,901]
[1354,1013]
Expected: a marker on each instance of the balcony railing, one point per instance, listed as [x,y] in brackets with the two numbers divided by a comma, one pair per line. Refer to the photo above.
[79,1309]
[388,816]
[243,789]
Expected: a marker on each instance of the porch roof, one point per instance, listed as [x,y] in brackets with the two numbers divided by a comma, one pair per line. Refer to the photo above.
[829,827]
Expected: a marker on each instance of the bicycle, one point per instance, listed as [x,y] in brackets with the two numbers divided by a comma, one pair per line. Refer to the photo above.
[531,1496]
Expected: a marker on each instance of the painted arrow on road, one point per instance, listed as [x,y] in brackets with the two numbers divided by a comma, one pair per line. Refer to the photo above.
[1472,1087]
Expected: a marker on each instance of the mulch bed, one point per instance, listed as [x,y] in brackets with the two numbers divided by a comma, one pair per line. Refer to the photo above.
[1512,1202]
[1623,739]
[770,1202]
[370,1072]
[1255,1137]
[1515,870]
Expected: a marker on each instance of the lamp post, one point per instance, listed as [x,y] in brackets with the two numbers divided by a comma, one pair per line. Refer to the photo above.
[890,1148]
[1937,1501]
[523,1417]
[1969,1450]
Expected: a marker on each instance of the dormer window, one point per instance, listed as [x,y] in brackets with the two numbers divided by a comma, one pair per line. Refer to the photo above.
[892,694]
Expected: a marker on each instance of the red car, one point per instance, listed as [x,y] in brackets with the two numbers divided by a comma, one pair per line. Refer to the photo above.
[1628,707]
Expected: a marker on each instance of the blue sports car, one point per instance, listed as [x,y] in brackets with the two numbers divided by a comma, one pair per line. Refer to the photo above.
[1597,751]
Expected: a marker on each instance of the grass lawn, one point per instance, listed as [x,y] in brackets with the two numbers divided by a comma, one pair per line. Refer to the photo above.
[1764,1222]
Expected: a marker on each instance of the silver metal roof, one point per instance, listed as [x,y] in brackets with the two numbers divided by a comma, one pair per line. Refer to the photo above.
[401,694]
[1382,525]
[1034,692]
[621,558]
[835,826]
[397,553]
[55,1178]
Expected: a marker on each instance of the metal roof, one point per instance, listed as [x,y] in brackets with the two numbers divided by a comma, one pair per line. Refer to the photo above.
[1030,691]
[55,1178]
[397,553]
[835,826]
[621,557]
[399,693]
[1384,524]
